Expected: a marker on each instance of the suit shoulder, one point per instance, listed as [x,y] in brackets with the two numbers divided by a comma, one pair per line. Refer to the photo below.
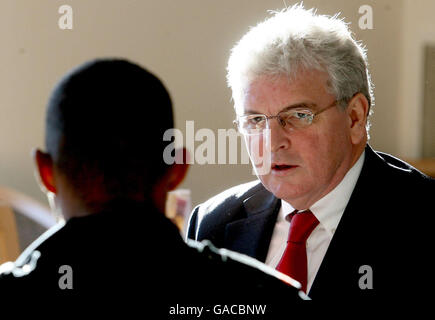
[210,218]
[404,169]
[236,193]
[224,206]
[400,180]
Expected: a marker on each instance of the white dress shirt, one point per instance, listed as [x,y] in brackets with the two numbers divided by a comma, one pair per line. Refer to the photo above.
[328,210]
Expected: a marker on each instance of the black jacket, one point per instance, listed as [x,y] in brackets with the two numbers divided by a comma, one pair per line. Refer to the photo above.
[386,225]
[134,254]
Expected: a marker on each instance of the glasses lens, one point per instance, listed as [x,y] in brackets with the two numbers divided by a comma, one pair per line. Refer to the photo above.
[298,118]
[252,123]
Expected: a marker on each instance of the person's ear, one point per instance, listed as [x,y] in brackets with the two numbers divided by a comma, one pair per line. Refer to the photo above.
[45,170]
[173,176]
[357,111]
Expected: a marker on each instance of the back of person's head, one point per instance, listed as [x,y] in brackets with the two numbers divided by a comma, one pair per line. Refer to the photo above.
[294,40]
[104,127]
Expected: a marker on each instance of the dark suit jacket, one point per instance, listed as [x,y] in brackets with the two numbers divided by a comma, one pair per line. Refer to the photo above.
[385,226]
[133,254]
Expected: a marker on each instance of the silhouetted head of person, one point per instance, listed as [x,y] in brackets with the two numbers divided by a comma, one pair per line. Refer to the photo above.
[104,137]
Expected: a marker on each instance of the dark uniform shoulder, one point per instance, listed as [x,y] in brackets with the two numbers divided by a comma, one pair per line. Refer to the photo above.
[245,276]
[28,260]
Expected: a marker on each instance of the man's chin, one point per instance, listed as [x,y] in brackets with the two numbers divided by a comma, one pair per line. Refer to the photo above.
[283,190]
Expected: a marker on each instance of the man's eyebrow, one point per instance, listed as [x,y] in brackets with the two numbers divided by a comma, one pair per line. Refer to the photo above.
[248,112]
[303,105]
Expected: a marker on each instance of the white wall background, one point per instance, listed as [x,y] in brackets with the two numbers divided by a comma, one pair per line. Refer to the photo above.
[187,44]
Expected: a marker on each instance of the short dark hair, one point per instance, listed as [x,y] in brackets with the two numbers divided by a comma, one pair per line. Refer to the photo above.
[104,124]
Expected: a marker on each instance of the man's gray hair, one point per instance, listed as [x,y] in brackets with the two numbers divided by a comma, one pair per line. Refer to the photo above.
[296,39]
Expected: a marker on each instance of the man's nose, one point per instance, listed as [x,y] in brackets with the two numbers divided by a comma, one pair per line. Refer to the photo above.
[279,135]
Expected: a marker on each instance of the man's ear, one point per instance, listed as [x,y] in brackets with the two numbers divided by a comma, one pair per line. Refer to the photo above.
[173,176]
[357,110]
[44,166]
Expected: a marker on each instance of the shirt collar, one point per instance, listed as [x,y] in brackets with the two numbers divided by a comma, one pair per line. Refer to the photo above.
[286,208]
[329,209]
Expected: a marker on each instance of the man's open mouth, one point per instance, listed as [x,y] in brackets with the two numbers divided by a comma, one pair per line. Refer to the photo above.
[282,167]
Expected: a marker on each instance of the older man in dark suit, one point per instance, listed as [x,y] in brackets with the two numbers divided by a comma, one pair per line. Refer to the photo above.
[329,209]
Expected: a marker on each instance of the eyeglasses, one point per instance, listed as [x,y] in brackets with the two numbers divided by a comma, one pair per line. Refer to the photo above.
[296,118]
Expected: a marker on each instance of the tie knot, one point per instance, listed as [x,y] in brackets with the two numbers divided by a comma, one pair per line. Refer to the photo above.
[301,226]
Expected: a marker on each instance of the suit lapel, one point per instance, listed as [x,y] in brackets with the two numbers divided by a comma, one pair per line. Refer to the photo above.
[350,245]
[338,272]
[252,234]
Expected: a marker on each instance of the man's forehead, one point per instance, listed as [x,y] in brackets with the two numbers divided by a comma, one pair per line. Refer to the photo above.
[281,93]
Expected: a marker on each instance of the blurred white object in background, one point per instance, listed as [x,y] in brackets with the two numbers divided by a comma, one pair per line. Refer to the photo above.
[178,207]
[27,206]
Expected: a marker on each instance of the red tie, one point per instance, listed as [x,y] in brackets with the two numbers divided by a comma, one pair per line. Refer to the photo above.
[294,260]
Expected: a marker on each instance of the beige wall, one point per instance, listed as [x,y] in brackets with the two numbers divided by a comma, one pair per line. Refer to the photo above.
[418,31]
[187,44]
